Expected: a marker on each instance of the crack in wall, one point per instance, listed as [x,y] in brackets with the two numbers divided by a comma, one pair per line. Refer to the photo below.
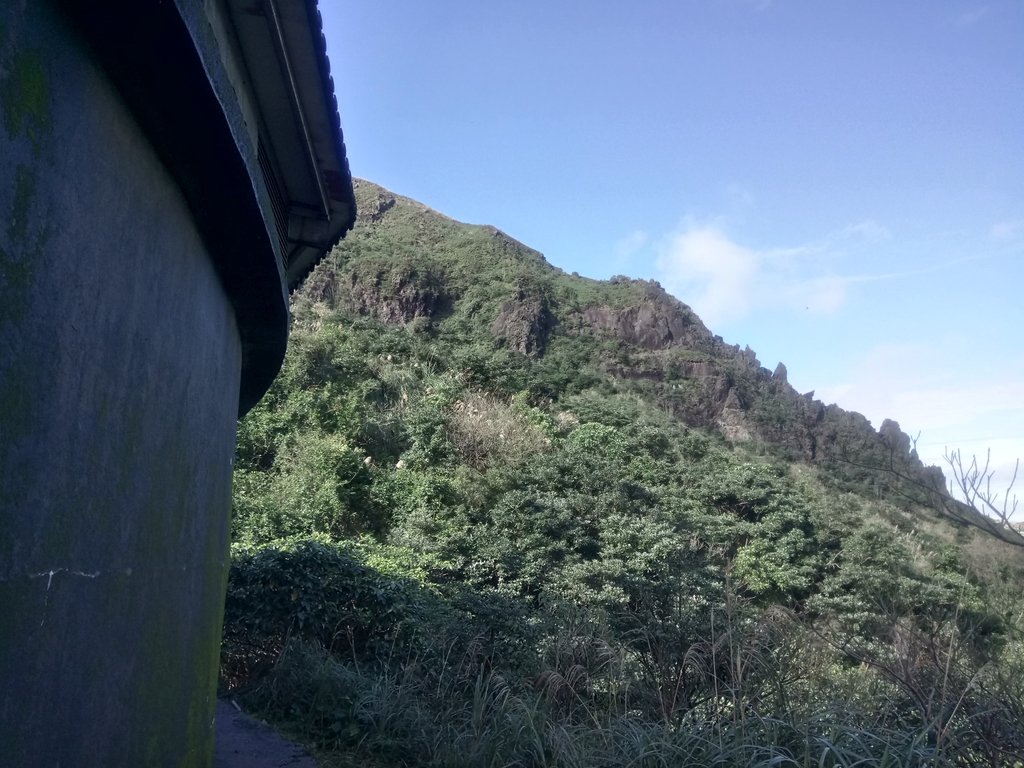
[49,580]
[49,574]
[54,571]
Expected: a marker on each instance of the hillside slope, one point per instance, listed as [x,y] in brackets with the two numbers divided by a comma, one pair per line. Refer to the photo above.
[491,513]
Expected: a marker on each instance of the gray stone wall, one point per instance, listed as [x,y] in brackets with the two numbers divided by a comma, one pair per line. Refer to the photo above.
[119,380]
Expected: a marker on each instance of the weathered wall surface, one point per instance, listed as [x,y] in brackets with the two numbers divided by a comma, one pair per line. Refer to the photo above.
[119,379]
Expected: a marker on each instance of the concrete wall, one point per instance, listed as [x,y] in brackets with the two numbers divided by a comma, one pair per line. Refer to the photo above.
[119,380]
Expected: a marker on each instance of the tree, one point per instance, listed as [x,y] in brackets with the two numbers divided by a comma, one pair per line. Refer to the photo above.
[982,507]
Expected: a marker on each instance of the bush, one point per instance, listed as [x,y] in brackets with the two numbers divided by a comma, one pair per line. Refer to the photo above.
[322,593]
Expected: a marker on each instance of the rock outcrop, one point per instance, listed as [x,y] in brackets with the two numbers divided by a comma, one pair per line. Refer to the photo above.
[656,321]
[397,295]
[525,322]
[374,201]
[732,420]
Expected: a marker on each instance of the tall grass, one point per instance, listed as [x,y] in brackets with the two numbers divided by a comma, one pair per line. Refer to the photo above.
[375,669]
[457,713]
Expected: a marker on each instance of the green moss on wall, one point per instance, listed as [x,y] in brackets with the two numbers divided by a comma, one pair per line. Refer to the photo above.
[25,109]
[25,98]
[190,702]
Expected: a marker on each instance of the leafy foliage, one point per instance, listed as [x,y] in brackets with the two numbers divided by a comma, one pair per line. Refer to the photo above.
[452,549]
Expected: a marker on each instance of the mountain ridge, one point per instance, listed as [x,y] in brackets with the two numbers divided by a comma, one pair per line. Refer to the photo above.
[646,334]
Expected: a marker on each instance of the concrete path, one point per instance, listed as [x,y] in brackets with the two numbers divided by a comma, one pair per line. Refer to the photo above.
[244,742]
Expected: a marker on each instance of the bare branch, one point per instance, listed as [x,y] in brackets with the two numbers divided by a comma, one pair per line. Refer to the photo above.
[974,482]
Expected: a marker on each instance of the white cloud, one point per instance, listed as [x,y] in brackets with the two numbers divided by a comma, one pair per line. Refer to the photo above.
[1005,231]
[717,277]
[724,281]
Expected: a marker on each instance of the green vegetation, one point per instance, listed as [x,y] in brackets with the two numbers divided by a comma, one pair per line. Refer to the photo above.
[456,548]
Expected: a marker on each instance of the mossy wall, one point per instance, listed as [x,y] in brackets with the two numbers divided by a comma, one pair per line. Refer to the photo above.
[119,379]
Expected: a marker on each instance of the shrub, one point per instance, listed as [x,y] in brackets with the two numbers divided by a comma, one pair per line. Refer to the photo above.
[323,593]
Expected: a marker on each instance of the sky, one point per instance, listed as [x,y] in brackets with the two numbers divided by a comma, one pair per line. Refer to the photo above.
[838,185]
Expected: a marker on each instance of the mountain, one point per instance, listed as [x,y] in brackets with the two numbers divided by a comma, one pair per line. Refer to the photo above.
[494,513]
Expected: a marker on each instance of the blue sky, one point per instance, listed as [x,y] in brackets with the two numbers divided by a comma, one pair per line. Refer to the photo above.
[838,185]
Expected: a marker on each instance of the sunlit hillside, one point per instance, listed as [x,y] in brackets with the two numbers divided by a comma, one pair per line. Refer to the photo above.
[494,514]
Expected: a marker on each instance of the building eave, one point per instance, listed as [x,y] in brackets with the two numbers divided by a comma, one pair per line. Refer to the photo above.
[305,164]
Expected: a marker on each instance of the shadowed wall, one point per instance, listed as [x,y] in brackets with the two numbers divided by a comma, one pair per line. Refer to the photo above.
[119,377]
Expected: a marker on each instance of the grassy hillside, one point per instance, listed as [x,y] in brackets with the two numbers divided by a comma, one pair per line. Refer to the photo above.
[494,514]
